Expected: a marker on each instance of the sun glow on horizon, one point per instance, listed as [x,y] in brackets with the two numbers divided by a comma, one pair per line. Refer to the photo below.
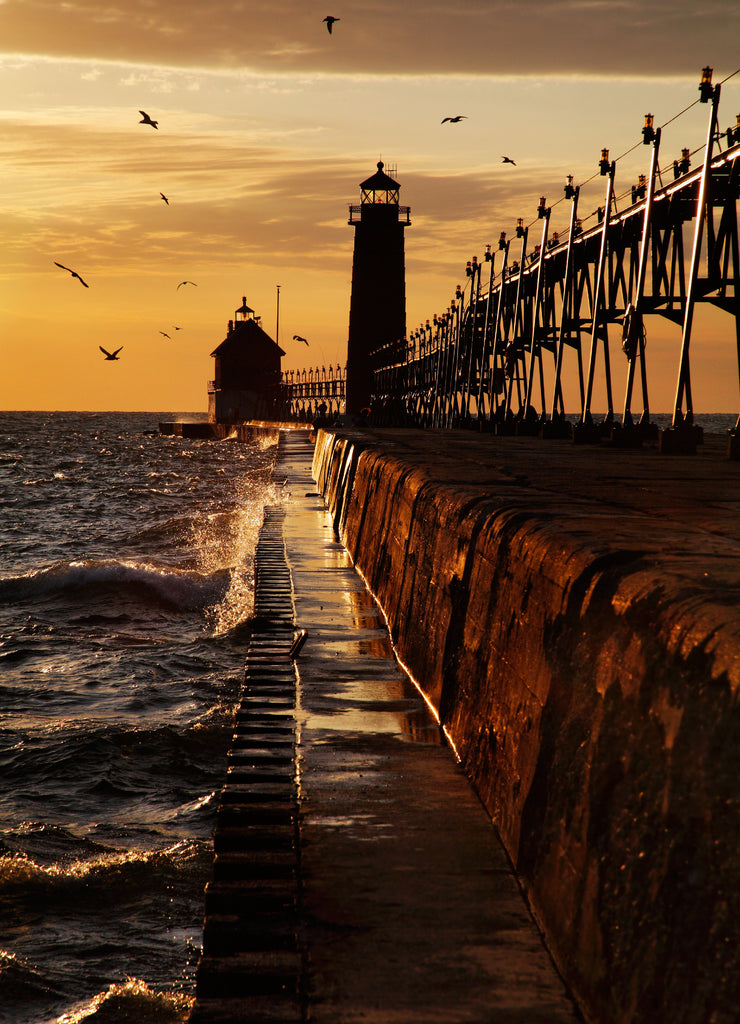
[259,168]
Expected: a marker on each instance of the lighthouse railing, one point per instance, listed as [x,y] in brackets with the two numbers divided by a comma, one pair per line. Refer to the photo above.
[314,394]
[404,213]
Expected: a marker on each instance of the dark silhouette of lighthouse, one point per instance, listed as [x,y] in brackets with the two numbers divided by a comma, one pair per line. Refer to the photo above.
[377,312]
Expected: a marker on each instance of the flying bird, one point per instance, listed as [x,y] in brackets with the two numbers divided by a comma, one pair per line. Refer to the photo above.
[110,355]
[165,198]
[145,119]
[454,120]
[508,160]
[166,335]
[297,337]
[176,327]
[186,282]
[330,22]
[72,272]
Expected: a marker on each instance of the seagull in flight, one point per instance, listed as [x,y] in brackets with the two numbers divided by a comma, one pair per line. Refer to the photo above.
[72,272]
[165,334]
[330,22]
[165,198]
[454,120]
[110,355]
[145,119]
[175,327]
[297,337]
[508,160]
[186,282]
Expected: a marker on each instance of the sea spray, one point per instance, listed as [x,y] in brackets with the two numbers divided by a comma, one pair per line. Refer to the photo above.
[229,540]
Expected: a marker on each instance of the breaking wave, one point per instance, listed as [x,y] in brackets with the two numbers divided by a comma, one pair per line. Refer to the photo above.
[183,589]
[103,873]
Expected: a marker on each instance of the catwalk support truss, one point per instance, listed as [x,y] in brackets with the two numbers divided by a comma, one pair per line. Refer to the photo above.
[500,357]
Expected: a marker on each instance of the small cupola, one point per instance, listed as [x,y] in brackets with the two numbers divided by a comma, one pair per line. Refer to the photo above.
[244,312]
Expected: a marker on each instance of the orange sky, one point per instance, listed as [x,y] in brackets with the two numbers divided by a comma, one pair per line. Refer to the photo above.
[267,124]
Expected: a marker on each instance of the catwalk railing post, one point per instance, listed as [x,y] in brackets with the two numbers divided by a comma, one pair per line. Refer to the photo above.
[442,377]
[683,386]
[518,331]
[536,348]
[442,360]
[599,296]
[452,405]
[429,375]
[633,335]
[439,406]
[558,407]
[475,270]
[734,250]
[482,418]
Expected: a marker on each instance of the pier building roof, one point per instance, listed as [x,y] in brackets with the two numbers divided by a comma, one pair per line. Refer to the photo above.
[249,333]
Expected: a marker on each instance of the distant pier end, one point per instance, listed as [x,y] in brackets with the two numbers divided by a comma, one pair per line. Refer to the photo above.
[247,377]
[377,315]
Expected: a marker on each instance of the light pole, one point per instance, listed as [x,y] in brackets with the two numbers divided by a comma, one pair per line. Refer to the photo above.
[277,316]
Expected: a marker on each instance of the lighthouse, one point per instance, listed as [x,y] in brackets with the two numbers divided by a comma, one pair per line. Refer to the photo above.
[377,312]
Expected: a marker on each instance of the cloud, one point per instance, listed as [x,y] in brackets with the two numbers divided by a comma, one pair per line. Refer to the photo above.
[230,201]
[421,36]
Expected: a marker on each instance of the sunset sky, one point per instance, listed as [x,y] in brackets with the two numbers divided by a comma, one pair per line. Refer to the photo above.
[267,125]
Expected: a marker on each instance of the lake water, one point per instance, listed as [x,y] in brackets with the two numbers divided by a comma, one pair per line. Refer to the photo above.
[126,584]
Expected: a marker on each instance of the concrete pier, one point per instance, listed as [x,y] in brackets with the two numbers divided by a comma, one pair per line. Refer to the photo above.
[571,616]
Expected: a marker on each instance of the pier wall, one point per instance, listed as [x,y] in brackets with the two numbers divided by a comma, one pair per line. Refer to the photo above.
[591,694]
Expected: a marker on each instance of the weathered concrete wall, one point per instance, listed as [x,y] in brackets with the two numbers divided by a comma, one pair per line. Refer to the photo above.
[591,694]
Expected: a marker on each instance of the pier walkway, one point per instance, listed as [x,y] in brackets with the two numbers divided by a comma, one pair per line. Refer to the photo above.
[387,896]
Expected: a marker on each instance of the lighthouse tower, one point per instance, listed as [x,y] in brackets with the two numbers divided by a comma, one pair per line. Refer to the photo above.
[377,312]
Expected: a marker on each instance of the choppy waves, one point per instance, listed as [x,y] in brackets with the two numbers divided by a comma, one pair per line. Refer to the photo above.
[106,875]
[125,604]
[85,906]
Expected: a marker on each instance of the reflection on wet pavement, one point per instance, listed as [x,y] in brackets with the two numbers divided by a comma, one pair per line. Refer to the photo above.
[347,661]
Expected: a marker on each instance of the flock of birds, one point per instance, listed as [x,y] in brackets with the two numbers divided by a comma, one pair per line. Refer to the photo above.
[106,353]
[113,356]
[330,21]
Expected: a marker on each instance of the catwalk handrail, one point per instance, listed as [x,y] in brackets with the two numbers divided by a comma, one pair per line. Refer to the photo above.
[313,392]
[481,363]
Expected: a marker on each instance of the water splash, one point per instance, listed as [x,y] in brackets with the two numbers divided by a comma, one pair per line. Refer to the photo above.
[130,1000]
[228,540]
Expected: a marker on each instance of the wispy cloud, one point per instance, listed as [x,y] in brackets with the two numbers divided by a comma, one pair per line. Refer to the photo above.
[421,36]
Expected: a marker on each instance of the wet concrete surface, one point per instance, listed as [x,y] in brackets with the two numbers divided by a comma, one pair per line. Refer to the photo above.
[410,909]
[582,643]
